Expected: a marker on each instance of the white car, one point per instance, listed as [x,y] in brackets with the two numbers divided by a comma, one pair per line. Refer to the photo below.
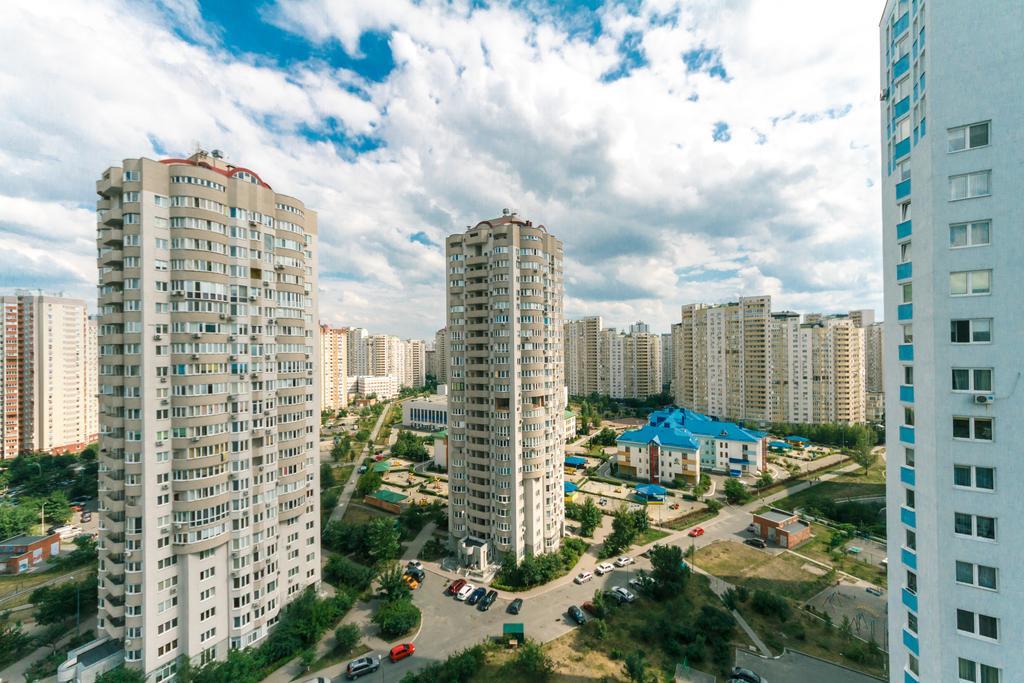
[604,568]
[581,578]
[624,594]
[465,591]
[623,561]
[639,582]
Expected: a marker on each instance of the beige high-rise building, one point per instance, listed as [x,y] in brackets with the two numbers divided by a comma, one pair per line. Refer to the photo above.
[441,354]
[874,341]
[415,352]
[210,400]
[333,367]
[862,317]
[667,366]
[47,374]
[506,390]
[582,359]
[722,359]
[357,351]
[783,365]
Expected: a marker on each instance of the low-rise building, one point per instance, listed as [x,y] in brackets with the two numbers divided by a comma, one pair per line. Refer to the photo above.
[782,528]
[441,450]
[428,413]
[677,443]
[381,386]
[22,553]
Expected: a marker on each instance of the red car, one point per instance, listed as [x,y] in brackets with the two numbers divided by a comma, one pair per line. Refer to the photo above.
[455,586]
[697,531]
[402,651]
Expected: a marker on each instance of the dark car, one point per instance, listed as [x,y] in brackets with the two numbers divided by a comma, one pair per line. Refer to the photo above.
[576,614]
[744,675]
[416,573]
[515,606]
[361,667]
[756,543]
[475,596]
[488,600]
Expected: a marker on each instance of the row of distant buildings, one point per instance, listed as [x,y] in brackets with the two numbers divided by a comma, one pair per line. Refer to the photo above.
[355,362]
[48,374]
[738,361]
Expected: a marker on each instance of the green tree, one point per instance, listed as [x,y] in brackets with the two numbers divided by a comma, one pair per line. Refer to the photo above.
[641,520]
[636,667]
[340,571]
[59,603]
[341,449]
[668,570]
[600,603]
[392,584]
[735,492]
[121,674]
[532,662]
[589,517]
[382,539]
[396,618]
[703,485]
[864,453]
[346,637]
[368,483]
[326,476]
[623,532]
[17,519]
[765,480]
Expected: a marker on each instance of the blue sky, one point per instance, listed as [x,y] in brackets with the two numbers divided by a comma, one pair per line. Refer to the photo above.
[682,151]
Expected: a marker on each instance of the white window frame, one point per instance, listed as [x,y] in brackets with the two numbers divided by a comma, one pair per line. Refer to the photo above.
[970,276]
[974,431]
[965,133]
[969,229]
[974,576]
[971,179]
[972,381]
[974,478]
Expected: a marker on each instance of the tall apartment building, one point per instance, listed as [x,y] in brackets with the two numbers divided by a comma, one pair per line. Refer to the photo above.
[209,458]
[506,390]
[385,355]
[48,374]
[415,372]
[667,365]
[357,351]
[862,317]
[582,359]
[952,211]
[333,367]
[441,354]
[874,392]
[641,366]
[836,371]
[722,359]
[611,380]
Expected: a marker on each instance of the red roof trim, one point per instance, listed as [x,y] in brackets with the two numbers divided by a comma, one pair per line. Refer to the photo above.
[227,173]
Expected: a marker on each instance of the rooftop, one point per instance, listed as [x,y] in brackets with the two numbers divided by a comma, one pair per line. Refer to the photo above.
[389,496]
[776,516]
[678,426]
[24,540]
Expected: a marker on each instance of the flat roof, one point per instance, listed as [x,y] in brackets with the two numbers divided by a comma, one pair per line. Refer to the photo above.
[389,496]
[775,516]
[793,527]
[25,540]
[99,653]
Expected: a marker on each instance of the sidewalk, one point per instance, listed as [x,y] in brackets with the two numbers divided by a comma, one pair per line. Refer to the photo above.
[350,486]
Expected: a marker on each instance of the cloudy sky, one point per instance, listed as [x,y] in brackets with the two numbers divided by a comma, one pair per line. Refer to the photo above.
[683,150]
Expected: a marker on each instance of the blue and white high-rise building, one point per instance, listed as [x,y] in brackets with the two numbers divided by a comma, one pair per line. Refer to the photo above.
[952,106]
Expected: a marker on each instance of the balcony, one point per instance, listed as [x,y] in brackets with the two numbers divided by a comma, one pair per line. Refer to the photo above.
[905,312]
[909,598]
[910,640]
[903,189]
[901,108]
[907,393]
[905,351]
[900,67]
[909,557]
[901,25]
[906,434]
[908,476]
[903,230]
[904,271]
[908,517]
[900,150]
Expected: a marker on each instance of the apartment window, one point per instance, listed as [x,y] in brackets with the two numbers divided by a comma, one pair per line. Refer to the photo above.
[968,137]
[970,283]
[970,185]
[908,375]
[904,252]
[908,456]
[905,211]
[978,526]
[973,672]
[978,575]
[907,291]
[912,621]
[972,379]
[974,477]
[973,428]
[911,539]
[911,500]
[973,234]
[971,331]
[908,416]
[908,333]
[977,624]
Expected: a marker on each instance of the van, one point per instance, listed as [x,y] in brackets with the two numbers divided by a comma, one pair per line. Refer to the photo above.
[67,532]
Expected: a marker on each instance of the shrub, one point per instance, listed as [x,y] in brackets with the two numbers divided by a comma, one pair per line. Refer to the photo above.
[770,604]
[345,638]
[396,618]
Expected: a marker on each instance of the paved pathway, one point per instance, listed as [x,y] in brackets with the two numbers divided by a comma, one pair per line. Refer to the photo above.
[16,672]
[350,486]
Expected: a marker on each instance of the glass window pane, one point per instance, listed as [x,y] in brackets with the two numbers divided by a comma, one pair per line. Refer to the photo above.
[967,670]
[988,626]
[956,139]
[961,379]
[961,475]
[958,187]
[960,331]
[981,282]
[981,330]
[965,620]
[961,428]
[986,527]
[989,674]
[958,284]
[980,232]
[979,184]
[983,428]
[964,572]
[979,135]
[985,478]
[958,235]
[986,576]
[983,380]
[962,523]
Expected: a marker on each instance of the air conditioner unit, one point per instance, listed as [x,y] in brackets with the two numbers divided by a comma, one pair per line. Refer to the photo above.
[234,553]
[254,224]
[266,357]
[164,401]
[253,337]
[231,337]
[179,525]
[165,487]
[223,316]
[232,357]
[252,298]
[195,356]
[195,439]
[177,292]
[231,318]
[197,335]
[984,399]
[279,266]
[231,397]
[163,380]
[157,337]
[159,443]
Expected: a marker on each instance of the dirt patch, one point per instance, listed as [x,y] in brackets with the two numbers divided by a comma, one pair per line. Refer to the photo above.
[813,569]
[740,564]
[574,663]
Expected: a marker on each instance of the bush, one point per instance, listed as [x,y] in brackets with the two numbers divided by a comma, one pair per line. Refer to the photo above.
[532,662]
[735,492]
[770,605]
[368,483]
[536,570]
[460,667]
[343,572]
[345,638]
[396,618]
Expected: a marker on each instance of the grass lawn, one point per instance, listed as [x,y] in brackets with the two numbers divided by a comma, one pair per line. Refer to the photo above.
[649,536]
[817,548]
[333,657]
[9,585]
[847,485]
[739,564]
[360,514]
[688,520]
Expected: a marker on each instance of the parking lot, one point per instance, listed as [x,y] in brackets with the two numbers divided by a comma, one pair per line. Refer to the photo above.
[794,667]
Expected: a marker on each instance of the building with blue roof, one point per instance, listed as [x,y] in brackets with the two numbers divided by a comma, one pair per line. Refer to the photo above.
[680,443]
[576,461]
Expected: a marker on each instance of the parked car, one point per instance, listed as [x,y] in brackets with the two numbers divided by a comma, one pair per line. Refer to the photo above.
[361,470]
[623,561]
[756,543]
[411,582]
[515,606]
[576,614]
[319,679]
[465,592]
[402,651]
[604,568]
[455,586]
[602,501]
[745,675]
[415,573]
[622,594]
[583,577]
[76,507]
[361,667]
[753,528]
[874,591]
[414,564]
[488,600]
[639,582]
[696,531]
[476,596]
[86,516]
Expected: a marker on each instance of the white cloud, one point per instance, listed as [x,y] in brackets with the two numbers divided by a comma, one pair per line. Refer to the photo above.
[484,109]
